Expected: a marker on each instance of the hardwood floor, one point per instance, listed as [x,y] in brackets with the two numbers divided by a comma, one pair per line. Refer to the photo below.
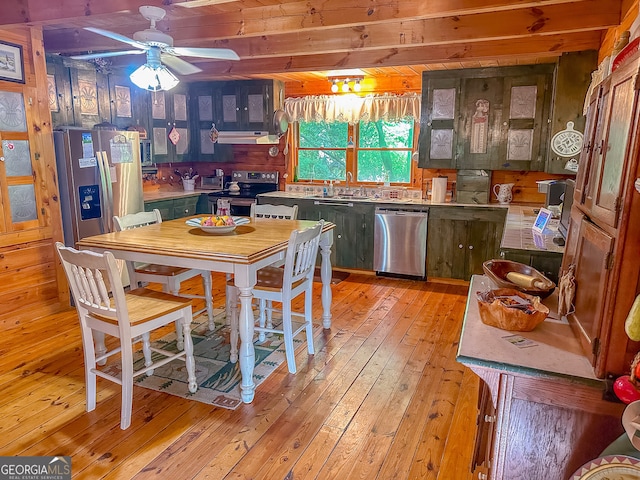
[382,398]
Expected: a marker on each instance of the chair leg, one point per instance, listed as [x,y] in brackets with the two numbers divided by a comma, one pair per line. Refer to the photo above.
[269,309]
[232,297]
[174,288]
[308,319]
[146,351]
[127,384]
[206,282]
[262,318]
[288,335]
[89,368]
[100,348]
[188,354]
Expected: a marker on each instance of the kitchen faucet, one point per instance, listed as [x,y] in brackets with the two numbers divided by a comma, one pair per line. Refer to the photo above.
[349,178]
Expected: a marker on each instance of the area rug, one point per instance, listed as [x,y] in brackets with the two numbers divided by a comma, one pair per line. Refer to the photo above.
[218,379]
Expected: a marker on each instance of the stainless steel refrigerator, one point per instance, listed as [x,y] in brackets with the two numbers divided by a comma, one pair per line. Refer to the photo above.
[100,176]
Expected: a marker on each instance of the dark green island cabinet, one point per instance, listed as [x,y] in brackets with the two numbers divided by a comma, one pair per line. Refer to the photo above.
[461,238]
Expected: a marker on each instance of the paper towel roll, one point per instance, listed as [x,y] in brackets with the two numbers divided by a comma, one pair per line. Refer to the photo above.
[439,189]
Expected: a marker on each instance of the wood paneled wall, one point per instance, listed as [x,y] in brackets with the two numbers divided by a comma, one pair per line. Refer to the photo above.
[30,274]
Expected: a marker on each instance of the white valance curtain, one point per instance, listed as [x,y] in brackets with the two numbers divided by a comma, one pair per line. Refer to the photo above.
[353,109]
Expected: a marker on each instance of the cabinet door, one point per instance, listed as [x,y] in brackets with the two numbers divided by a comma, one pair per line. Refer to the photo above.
[59,86]
[202,114]
[524,123]
[481,115]
[485,431]
[592,134]
[164,206]
[169,114]
[129,104]
[90,96]
[184,207]
[483,243]
[592,259]
[604,198]
[438,122]
[353,236]
[245,106]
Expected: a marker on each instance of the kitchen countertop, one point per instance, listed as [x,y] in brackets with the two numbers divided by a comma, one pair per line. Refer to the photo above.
[167,195]
[399,201]
[519,236]
[556,351]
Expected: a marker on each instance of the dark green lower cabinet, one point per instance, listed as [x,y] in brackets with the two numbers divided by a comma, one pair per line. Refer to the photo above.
[173,208]
[353,235]
[460,239]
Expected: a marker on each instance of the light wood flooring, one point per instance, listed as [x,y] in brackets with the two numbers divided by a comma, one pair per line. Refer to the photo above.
[382,398]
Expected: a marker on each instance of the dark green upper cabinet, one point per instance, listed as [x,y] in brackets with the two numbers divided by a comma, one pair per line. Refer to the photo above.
[129,104]
[248,105]
[486,118]
[203,113]
[170,134]
[78,94]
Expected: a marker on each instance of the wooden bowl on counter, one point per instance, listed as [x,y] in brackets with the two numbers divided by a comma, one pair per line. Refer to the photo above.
[497,311]
[497,271]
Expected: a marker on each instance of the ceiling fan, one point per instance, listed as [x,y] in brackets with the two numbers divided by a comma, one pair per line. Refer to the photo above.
[160,51]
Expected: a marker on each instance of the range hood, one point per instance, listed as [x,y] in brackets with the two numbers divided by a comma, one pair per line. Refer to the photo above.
[248,138]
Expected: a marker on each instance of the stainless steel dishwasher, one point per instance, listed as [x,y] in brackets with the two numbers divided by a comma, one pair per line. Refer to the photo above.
[400,242]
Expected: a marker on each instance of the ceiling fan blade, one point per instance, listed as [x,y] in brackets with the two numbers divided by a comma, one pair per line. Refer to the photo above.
[89,56]
[219,53]
[117,36]
[181,67]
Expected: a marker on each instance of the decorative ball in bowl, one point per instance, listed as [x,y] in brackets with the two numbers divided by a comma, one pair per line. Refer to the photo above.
[511,309]
[216,224]
[509,274]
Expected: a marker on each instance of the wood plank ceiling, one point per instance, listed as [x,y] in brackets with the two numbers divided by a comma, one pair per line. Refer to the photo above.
[298,41]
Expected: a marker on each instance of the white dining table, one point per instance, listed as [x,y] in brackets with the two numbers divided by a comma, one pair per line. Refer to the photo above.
[241,252]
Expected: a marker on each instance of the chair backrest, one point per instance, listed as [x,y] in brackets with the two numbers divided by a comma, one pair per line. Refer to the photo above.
[274,211]
[95,282]
[135,220]
[302,251]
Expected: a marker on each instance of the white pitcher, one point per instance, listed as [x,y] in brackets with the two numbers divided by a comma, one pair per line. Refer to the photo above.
[503,193]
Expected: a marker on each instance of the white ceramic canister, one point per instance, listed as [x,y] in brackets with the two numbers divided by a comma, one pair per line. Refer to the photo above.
[439,189]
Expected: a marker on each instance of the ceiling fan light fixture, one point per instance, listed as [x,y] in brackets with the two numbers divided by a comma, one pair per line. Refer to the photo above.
[154,78]
[334,86]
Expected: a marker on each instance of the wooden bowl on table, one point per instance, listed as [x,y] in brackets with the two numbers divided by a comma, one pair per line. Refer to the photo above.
[509,274]
[499,309]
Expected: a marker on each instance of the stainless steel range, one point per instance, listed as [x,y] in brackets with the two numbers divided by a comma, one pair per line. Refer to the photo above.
[251,184]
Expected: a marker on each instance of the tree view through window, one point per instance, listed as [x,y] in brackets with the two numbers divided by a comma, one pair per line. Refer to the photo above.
[373,151]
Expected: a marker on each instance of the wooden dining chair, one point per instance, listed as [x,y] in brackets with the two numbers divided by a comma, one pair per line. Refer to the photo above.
[169,277]
[267,210]
[283,285]
[105,309]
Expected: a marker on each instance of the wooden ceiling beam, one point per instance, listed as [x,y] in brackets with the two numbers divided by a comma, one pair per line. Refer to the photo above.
[16,12]
[544,46]
[473,28]
[283,37]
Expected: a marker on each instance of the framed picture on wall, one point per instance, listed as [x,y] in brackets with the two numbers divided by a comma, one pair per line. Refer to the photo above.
[11,62]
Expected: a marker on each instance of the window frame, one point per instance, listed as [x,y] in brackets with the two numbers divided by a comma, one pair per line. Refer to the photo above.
[351,164]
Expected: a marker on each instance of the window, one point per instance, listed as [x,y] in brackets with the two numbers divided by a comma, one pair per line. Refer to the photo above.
[373,152]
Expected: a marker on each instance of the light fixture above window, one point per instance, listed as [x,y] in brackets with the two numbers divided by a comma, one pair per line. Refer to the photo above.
[345,83]
[153,75]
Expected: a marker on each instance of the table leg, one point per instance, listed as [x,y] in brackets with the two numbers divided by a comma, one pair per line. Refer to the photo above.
[247,353]
[326,240]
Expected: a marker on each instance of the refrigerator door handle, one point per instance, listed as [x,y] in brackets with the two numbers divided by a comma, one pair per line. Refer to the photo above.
[107,201]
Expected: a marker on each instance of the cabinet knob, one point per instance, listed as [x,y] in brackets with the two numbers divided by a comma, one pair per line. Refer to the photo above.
[489,418]
[482,476]
[460,246]
[470,247]
[339,236]
[186,210]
